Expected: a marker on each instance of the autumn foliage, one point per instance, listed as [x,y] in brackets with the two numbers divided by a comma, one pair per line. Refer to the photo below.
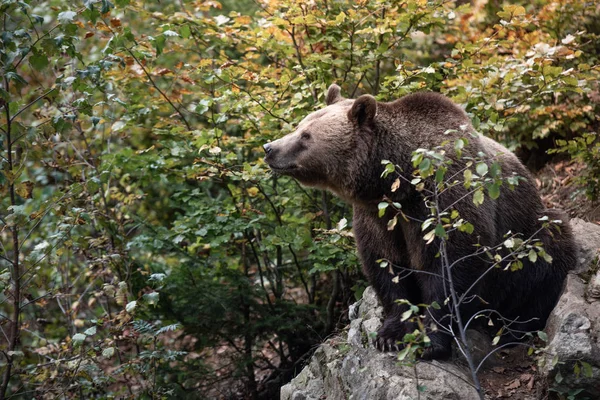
[146,250]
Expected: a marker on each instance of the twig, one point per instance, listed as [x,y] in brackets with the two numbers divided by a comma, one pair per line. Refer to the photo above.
[30,104]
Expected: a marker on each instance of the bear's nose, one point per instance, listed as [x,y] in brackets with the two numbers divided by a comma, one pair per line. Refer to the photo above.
[267,148]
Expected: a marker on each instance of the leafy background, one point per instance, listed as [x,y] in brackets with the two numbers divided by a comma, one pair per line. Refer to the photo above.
[146,250]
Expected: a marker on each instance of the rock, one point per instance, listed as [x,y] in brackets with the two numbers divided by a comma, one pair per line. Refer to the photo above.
[594,286]
[588,236]
[574,325]
[353,369]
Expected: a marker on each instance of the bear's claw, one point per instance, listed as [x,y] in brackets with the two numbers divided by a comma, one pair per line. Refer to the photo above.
[390,335]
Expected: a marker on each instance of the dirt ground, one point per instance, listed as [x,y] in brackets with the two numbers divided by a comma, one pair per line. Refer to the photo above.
[557,186]
[513,377]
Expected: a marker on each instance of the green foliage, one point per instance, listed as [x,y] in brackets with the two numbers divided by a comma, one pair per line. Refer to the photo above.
[134,195]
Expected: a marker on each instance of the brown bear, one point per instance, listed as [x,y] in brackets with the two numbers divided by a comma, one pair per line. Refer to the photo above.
[341,148]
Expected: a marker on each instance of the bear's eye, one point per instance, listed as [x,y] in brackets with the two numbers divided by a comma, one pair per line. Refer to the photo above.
[305,136]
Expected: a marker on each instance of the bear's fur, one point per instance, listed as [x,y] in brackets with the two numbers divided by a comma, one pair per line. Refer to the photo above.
[340,148]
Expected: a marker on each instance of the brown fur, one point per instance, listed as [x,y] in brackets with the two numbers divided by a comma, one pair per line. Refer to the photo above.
[340,148]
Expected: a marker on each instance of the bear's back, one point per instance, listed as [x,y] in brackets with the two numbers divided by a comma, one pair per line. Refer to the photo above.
[429,105]
[423,119]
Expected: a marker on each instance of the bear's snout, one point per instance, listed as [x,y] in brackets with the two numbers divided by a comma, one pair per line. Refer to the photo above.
[267,148]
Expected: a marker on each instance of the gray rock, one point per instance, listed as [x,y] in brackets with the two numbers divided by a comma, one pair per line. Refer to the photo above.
[354,370]
[364,373]
[574,324]
[588,237]
[594,287]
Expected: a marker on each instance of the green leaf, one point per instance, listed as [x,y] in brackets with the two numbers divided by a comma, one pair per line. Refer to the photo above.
[106,6]
[467,227]
[494,191]
[389,168]
[478,197]
[587,370]
[532,255]
[185,31]
[439,174]
[382,207]
[159,44]
[38,61]
[468,176]
[558,378]
[459,144]
[130,306]
[481,169]
[495,170]
[108,352]
[424,167]
[542,335]
[402,355]
[79,338]
[416,159]
[66,17]
[151,298]
[440,231]
[570,80]
[91,331]
[18,79]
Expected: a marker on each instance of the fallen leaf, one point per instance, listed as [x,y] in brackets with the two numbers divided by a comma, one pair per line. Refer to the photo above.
[513,385]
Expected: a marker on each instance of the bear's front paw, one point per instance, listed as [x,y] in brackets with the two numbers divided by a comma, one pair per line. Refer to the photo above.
[389,337]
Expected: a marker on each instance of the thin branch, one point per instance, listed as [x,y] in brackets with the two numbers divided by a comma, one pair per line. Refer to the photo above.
[30,104]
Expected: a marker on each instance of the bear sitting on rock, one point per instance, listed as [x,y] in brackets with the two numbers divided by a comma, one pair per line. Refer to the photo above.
[341,148]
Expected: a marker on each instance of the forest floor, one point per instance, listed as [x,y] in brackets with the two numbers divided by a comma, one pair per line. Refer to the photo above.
[557,185]
[513,377]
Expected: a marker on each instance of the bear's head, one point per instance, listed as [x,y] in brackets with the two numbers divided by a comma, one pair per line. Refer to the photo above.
[327,145]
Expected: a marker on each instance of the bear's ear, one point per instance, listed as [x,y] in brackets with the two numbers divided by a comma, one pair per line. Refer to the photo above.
[363,110]
[333,94]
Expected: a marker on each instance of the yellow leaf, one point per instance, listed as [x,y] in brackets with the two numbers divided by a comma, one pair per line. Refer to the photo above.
[24,189]
[519,10]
